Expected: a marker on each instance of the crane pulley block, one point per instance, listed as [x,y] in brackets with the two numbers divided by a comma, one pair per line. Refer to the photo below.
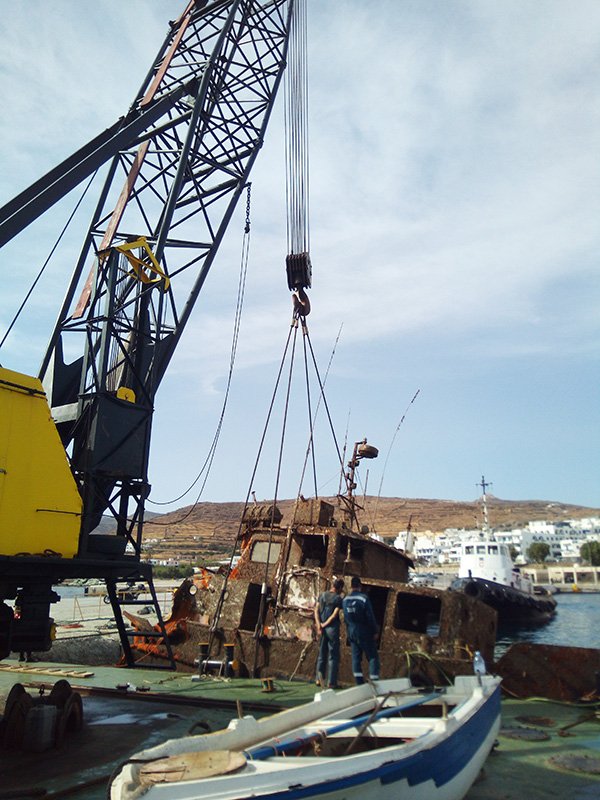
[299,271]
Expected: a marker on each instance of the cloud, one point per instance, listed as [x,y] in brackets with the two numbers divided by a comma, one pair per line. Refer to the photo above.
[454,196]
[458,171]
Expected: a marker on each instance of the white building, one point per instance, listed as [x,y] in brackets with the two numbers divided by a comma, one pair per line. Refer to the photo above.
[564,539]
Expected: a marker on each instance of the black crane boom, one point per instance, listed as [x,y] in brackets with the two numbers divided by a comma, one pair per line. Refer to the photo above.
[178,162]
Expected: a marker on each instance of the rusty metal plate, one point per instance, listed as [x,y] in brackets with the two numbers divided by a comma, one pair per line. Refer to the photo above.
[552,671]
[538,722]
[576,762]
[526,734]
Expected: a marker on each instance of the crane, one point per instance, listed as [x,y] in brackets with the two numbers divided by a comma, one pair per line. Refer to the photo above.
[178,162]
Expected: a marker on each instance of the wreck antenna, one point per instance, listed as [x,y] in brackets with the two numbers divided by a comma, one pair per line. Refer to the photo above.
[344,454]
[387,457]
[484,485]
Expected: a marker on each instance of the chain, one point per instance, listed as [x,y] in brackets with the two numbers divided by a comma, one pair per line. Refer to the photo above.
[247,228]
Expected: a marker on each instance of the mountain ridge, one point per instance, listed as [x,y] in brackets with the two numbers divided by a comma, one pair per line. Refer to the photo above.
[193,532]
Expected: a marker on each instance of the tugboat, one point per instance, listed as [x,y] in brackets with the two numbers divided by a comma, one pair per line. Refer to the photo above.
[487,572]
[256,619]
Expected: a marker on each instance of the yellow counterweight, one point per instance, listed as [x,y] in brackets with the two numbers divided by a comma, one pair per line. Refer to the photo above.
[40,506]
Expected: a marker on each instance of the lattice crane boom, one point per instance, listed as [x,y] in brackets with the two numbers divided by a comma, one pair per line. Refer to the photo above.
[178,162]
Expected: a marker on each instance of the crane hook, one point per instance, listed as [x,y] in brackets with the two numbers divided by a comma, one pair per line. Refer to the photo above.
[301,303]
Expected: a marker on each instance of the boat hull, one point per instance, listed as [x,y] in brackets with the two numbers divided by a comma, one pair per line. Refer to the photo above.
[512,606]
[441,762]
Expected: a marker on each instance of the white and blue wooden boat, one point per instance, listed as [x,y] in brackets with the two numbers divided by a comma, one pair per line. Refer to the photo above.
[387,740]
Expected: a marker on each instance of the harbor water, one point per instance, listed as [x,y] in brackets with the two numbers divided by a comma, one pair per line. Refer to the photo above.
[575,624]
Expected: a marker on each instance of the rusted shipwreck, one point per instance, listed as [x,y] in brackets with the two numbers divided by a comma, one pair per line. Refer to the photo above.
[257,619]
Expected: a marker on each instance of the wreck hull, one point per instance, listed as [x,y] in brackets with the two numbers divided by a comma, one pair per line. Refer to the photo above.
[264,608]
[557,672]
[289,645]
[288,658]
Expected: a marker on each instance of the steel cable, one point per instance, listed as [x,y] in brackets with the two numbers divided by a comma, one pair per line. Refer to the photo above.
[234,344]
[296,128]
[47,261]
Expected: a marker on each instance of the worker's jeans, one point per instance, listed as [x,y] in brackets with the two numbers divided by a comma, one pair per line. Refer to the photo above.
[364,644]
[329,656]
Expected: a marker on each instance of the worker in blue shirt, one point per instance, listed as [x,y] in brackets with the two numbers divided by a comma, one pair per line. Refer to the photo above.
[327,622]
[362,631]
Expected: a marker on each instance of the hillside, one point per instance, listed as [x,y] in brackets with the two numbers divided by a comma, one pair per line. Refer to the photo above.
[210,528]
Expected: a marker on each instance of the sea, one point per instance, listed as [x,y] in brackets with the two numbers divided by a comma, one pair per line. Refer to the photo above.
[575,624]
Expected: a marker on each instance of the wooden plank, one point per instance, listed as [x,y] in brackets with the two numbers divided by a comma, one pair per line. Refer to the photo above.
[55,671]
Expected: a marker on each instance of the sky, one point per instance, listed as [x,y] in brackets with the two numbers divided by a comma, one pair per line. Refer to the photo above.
[455,239]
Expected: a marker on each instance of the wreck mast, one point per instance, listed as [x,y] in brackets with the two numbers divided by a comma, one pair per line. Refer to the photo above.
[361,450]
[485,531]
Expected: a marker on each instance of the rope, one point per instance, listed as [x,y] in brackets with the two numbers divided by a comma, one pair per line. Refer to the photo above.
[325,404]
[312,421]
[305,650]
[311,449]
[263,596]
[234,344]
[221,599]
[47,261]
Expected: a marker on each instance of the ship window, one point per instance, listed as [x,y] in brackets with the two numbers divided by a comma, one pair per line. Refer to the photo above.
[314,551]
[260,551]
[309,550]
[251,607]
[353,549]
[481,549]
[469,550]
[493,550]
[417,613]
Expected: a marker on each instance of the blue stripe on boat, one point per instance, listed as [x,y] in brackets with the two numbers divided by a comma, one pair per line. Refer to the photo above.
[439,764]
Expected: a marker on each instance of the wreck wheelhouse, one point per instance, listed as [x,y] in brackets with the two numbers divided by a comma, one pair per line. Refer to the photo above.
[258,619]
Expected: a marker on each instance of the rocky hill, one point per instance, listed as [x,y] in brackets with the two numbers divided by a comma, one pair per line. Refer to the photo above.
[209,529]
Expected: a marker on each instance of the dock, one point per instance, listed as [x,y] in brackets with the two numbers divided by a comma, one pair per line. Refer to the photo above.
[541,745]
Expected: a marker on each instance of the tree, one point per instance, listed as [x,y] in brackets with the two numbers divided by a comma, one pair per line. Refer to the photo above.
[514,553]
[179,571]
[538,552]
[590,551]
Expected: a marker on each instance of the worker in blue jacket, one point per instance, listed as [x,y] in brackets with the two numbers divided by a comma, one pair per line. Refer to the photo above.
[362,631]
